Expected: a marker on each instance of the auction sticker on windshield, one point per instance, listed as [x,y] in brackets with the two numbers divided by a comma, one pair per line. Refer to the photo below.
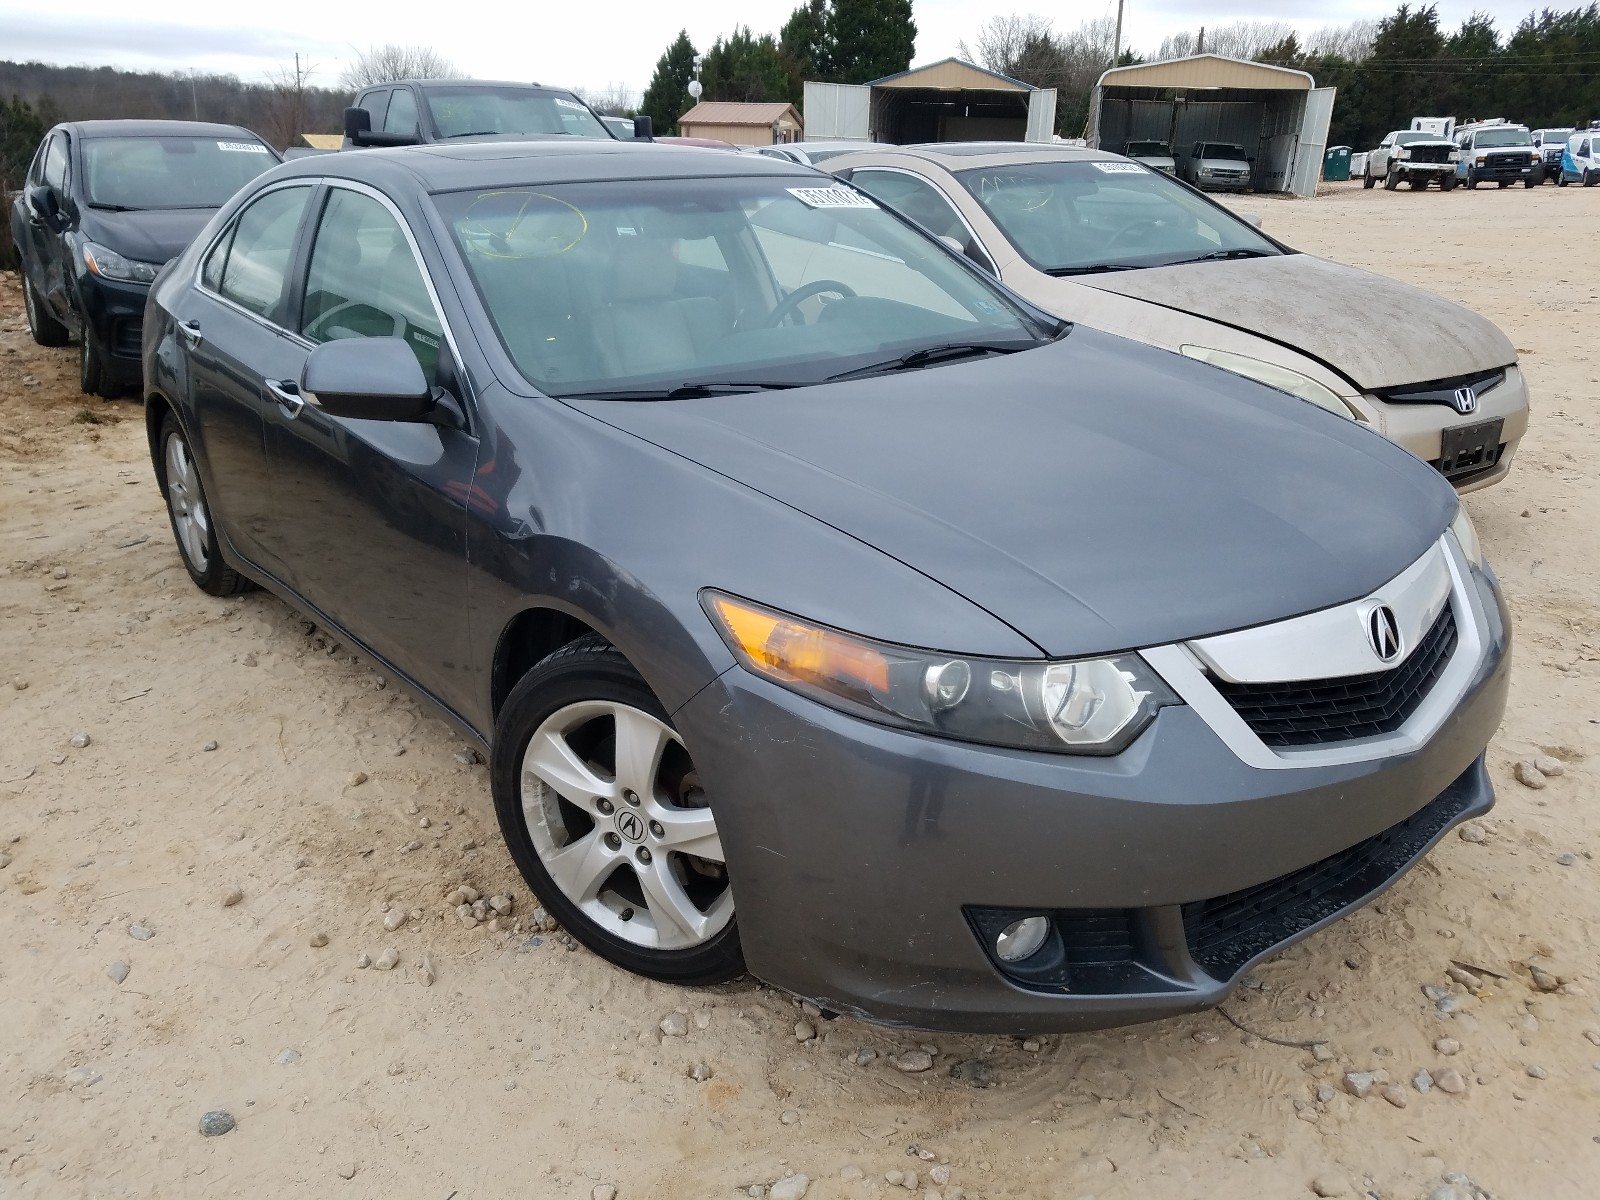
[830,197]
[1116,168]
[243,147]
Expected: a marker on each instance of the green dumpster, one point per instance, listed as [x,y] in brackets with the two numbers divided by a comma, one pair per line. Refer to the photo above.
[1336,163]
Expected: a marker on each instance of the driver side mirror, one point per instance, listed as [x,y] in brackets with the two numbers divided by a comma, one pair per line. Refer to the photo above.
[644,129]
[45,205]
[368,379]
[358,128]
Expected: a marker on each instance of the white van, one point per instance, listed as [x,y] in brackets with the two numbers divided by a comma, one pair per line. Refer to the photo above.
[1580,161]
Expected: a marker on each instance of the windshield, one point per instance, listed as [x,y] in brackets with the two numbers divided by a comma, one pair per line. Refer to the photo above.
[625,287]
[622,127]
[1407,137]
[169,172]
[1222,150]
[1502,137]
[1554,135]
[1148,150]
[1070,218]
[476,110]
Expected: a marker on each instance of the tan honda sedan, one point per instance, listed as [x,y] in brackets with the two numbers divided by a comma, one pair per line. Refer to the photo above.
[1106,241]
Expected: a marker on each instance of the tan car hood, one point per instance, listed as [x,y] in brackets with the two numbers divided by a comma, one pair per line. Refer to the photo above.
[1376,332]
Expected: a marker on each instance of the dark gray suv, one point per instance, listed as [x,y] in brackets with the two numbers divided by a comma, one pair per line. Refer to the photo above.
[825,610]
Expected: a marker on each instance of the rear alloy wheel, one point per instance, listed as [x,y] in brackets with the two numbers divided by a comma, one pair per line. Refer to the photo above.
[46,330]
[95,377]
[602,809]
[192,526]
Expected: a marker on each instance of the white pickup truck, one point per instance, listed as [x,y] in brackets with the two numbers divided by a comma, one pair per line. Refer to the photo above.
[1412,156]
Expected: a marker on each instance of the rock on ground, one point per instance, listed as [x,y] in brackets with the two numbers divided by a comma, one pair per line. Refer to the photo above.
[216,1123]
[791,1187]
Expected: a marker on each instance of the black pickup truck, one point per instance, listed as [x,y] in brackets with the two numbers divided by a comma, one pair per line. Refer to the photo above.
[408,112]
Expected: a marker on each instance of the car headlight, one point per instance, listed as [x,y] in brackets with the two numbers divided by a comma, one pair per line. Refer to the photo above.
[1087,706]
[108,264]
[1453,156]
[1402,153]
[1467,537]
[1271,374]
[1482,158]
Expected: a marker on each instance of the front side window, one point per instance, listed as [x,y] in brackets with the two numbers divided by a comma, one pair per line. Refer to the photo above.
[170,172]
[479,110]
[402,115]
[623,287]
[55,163]
[364,280]
[256,261]
[377,106]
[1074,218]
[914,198]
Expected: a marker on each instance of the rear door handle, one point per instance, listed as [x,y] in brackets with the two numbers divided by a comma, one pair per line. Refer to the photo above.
[191,333]
[287,394]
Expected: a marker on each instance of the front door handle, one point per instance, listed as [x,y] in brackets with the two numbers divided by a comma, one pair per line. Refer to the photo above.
[191,333]
[287,393]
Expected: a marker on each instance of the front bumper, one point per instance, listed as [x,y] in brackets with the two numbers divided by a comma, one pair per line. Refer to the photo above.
[1497,169]
[866,859]
[113,315]
[1420,427]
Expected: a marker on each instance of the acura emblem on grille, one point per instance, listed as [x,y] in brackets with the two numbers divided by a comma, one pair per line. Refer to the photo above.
[1383,632]
[1465,400]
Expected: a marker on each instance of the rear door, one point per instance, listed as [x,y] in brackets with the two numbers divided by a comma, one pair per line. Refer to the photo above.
[370,516]
[234,337]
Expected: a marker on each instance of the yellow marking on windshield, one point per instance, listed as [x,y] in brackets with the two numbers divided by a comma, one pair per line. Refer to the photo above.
[497,243]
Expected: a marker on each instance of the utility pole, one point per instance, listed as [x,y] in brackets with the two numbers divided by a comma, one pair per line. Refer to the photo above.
[194,99]
[1200,47]
[1116,40]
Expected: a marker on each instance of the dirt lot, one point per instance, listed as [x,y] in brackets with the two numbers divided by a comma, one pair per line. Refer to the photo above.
[530,1070]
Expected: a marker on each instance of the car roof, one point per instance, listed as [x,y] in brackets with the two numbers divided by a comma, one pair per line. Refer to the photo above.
[105,129]
[454,167]
[959,156]
[454,83]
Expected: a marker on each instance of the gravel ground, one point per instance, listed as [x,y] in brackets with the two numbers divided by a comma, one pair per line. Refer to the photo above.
[198,902]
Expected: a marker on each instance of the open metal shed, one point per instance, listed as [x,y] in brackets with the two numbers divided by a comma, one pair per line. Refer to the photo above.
[947,101]
[1277,114]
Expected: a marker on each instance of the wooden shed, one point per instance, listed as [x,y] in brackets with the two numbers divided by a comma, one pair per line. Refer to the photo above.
[743,124]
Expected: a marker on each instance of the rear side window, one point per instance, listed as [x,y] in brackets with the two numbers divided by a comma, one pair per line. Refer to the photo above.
[402,117]
[259,249]
[365,281]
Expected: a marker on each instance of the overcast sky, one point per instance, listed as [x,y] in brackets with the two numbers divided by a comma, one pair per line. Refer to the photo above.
[588,45]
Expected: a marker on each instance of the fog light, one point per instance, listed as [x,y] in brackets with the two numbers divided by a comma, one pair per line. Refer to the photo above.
[1021,939]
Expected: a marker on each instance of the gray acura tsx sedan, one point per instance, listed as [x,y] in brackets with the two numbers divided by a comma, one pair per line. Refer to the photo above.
[826,610]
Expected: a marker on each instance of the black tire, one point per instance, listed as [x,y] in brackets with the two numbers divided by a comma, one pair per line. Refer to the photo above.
[1447,183]
[1472,181]
[1533,181]
[1392,180]
[590,670]
[1590,178]
[1367,181]
[204,561]
[46,330]
[95,377]
[1561,181]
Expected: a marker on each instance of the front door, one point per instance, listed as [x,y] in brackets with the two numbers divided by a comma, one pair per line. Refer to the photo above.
[47,248]
[369,517]
[233,338]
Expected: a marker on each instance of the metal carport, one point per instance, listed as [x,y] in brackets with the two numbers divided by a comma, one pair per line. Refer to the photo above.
[1279,115]
[947,101]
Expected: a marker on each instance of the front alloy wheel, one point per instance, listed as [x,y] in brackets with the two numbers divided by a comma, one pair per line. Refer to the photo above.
[603,810]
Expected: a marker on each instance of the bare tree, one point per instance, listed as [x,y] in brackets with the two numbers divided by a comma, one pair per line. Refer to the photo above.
[384,64]
[1242,39]
[1002,40]
[615,99]
[286,103]
[1352,41]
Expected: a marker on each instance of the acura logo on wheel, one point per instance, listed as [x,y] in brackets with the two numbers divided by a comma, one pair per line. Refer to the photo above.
[1383,632]
[1465,400]
[630,826]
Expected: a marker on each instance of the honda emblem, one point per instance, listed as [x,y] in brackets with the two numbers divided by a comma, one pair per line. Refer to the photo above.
[1465,400]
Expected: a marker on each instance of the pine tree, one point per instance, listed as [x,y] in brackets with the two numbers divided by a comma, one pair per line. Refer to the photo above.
[868,39]
[667,98]
[803,44]
[745,68]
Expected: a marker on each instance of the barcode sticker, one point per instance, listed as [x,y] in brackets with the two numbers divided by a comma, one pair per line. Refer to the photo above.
[243,147]
[831,197]
[1120,168]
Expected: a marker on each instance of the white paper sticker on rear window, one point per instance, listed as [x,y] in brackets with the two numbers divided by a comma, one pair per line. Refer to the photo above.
[243,147]
[831,197]
[1117,168]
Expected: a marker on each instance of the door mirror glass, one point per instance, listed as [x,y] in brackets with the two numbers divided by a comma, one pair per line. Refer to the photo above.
[367,379]
[644,128]
[357,121]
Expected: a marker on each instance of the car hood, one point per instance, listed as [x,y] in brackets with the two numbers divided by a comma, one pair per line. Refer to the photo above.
[151,235]
[1095,494]
[1376,332]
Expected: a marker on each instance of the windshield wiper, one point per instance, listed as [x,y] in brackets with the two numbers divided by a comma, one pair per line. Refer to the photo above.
[1095,269]
[1219,255]
[114,207]
[690,391]
[473,133]
[930,355]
